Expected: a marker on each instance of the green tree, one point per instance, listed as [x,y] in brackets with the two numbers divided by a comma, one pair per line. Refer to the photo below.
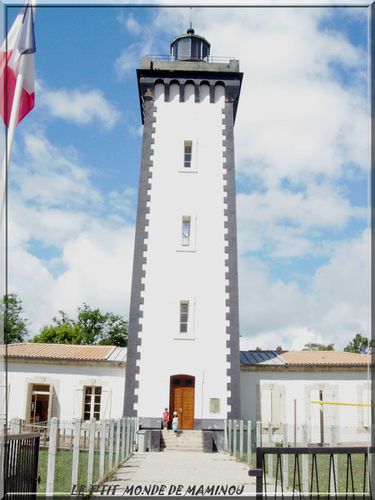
[15,325]
[359,344]
[318,347]
[279,349]
[92,327]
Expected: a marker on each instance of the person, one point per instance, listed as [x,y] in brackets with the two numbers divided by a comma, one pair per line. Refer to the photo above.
[175,422]
[165,418]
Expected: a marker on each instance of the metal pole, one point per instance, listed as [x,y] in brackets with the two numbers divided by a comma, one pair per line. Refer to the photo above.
[295,423]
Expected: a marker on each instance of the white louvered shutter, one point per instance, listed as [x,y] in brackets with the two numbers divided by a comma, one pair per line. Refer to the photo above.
[276,406]
[266,405]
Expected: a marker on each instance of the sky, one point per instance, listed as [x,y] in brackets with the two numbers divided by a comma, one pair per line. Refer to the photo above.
[302,147]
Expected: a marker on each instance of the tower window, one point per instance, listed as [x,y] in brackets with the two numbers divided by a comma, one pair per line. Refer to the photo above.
[184,316]
[186,230]
[92,401]
[188,146]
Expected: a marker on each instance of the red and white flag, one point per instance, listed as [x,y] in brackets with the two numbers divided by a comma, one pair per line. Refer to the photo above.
[17,58]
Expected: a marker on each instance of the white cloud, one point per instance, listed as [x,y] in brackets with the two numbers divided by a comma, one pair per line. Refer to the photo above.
[53,176]
[129,23]
[333,308]
[130,57]
[84,247]
[80,107]
[282,223]
[98,265]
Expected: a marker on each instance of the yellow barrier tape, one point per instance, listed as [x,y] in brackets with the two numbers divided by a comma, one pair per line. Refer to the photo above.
[340,404]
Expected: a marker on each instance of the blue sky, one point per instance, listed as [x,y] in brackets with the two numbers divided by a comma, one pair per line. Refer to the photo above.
[302,159]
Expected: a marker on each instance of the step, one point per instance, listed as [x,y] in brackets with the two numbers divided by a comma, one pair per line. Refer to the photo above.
[182,441]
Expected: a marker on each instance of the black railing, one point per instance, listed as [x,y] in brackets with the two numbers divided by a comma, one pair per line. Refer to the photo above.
[318,478]
[21,452]
[171,57]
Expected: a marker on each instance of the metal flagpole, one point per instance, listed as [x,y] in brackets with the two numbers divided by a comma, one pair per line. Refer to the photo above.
[10,136]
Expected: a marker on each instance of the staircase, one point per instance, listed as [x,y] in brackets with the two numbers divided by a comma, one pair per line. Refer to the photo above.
[182,441]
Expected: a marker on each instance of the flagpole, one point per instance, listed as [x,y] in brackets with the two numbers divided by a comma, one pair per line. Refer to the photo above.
[10,137]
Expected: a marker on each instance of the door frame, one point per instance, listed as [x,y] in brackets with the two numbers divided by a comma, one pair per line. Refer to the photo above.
[185,376]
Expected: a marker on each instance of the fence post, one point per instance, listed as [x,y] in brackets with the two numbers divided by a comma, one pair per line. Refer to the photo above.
[2,454]
[258,435]
[241,439]
[131,435]
[123,442]
[270,457]
[226,436]
[111,438]
[15,426]
[103,430]
[90,464]
[52,448]
[76,447]
[117,451]
[230,447]
[126,437]
[234,438]
[305,462]
[333,442]
[134,430]
[285,458]
[249,442]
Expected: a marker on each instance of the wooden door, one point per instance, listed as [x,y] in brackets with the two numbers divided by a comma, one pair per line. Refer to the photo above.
[182,400]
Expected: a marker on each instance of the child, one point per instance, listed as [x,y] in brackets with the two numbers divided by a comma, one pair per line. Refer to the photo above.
[165,418]
[175,422]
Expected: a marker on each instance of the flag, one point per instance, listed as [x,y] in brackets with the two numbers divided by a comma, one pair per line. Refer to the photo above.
[17,57]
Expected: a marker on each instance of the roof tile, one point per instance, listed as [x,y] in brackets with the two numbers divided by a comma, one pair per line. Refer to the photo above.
[61,351]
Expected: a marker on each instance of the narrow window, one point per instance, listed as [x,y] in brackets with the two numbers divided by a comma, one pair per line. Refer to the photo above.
[184,316]
[92,401]
[188,146]
[186,228]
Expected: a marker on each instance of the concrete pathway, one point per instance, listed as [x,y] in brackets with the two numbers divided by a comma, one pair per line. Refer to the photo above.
[181,473]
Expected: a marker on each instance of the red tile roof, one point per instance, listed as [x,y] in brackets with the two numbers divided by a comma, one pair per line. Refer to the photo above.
[325,358]
[63,352]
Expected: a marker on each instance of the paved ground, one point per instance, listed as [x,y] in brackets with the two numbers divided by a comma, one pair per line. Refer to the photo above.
[194,473]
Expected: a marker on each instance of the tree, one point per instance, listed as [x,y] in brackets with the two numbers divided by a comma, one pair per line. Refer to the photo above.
[15,325]
[359,344]
[318,347]
[92,327]
[279,349]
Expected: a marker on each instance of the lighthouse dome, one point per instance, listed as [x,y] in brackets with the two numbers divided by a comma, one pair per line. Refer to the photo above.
[190,47]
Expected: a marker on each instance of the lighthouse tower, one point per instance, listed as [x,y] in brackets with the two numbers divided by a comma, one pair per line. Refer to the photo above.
[183,349]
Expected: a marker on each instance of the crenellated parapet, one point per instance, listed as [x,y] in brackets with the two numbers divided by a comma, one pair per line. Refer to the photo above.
[205,86]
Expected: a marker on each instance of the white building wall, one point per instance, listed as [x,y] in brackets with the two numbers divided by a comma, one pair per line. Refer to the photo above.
[174,272]
[338,386]
[68,381]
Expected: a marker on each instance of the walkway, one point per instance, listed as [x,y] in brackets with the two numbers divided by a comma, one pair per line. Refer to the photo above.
[182,473]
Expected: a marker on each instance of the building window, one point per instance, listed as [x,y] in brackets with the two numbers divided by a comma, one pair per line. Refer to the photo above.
[184,316]
[188,147]
[186,230]
[92,402]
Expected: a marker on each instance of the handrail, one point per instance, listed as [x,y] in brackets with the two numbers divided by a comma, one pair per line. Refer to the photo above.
[171,57]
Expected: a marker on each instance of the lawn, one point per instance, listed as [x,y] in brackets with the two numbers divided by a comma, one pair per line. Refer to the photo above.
[63,469]
[358,468]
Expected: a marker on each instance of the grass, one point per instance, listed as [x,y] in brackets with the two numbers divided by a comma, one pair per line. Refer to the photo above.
[63,469]
[323,471]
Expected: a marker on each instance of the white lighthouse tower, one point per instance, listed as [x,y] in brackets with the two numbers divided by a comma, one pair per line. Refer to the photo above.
[183,349]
